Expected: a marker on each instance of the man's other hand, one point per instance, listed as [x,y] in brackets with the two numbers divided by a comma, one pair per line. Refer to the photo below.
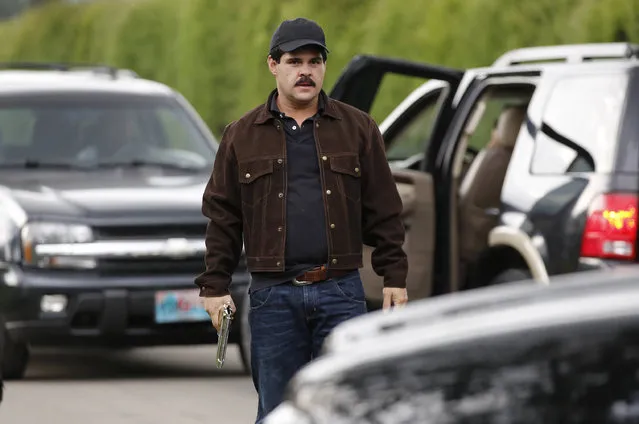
[394,296]
[213,306]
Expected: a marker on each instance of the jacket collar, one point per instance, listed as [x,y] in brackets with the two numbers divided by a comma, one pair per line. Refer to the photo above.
[267,111]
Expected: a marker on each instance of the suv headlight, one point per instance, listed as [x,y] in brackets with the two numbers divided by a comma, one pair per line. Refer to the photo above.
[39,240]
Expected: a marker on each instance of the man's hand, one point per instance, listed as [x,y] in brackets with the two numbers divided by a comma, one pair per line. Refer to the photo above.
[394,296]
[213,306]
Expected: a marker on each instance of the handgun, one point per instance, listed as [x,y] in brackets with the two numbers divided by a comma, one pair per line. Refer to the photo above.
[223,335]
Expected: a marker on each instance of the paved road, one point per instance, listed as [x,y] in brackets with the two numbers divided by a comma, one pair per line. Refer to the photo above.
[145,386]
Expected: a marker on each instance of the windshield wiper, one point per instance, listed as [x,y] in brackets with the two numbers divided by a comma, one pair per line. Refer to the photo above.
[82,165]
[143,162]
[35,164]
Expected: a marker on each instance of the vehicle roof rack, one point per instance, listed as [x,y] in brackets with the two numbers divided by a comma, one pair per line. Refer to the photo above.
[570,53]
[50,66]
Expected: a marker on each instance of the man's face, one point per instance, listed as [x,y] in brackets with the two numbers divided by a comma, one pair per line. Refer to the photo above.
[299,74]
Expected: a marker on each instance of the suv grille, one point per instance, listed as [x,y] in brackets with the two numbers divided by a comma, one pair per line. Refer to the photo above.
[154,266]
[148,232]
[150,265]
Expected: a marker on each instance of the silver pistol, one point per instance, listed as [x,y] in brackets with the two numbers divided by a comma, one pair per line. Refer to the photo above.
[223,334]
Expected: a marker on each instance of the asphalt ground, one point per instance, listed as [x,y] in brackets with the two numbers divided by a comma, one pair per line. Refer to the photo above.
[142,386]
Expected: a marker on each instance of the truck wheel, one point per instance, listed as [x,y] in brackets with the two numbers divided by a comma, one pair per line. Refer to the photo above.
[15,359]
[510,275]
[245,334]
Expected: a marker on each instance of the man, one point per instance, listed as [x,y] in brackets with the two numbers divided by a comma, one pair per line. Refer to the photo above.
[304,179]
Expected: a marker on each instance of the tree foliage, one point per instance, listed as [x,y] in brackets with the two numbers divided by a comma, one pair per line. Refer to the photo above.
[214,51]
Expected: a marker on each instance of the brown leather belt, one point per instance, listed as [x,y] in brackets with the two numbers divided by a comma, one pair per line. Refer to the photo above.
[319,274]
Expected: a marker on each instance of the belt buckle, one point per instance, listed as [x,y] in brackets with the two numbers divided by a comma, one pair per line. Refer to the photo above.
[299,283]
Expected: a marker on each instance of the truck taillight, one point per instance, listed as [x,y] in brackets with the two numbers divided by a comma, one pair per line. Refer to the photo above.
[611,227]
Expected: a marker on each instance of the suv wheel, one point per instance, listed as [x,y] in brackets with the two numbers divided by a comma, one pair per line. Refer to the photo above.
[15,358]
[510,275]
[245,334]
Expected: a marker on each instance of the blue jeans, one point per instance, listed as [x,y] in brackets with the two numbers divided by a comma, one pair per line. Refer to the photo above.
[288,326]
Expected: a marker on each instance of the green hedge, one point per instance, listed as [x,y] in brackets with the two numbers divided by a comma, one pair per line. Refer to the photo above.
[214,51]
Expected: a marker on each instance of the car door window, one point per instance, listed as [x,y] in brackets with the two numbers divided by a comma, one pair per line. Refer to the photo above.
[580,125]
[358,85]
[414,136]
[491,104]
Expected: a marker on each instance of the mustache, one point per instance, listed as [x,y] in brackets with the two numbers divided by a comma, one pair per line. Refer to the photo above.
[305,80]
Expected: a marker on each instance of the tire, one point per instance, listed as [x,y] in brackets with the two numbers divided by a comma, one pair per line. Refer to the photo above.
[2,337]
[245,334]
[510,275]
[15,359]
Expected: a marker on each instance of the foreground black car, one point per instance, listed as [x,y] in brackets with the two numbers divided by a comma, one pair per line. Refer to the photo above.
[567,352]
[101,230]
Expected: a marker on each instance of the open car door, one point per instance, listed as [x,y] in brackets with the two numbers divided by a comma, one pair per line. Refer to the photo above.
[358,85]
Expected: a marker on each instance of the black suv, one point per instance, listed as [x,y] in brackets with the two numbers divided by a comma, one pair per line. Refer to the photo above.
[525,168]
[101,229]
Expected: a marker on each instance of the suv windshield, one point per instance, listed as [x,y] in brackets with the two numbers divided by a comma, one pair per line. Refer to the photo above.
[100,129]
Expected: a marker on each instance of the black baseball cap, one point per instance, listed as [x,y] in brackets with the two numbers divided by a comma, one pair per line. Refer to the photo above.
[295,33]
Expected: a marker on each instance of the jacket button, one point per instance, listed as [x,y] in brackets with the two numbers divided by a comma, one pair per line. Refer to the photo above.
[280,195]
[332,225]
[279,263]
[317,124]
[248,175]
[280,161]
[328,192]
[324,158]
[280,228]
[334,261]
[356,169]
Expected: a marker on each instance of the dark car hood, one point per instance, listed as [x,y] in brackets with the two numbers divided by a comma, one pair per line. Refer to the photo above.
[106,194]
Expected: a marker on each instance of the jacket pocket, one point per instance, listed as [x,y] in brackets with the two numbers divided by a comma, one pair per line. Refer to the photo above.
[348,175]
[255,180]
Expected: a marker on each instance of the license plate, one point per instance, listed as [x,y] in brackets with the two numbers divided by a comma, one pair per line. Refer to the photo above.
[179,306]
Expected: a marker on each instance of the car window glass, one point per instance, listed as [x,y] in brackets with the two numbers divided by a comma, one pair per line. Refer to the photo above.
[580,125]
[482,133]
[175,133]
[494,121]
[16,126]
[87,130]
[495,101]
[413,138]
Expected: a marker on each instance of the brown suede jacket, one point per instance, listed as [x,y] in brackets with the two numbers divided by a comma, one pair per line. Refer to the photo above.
[245,197]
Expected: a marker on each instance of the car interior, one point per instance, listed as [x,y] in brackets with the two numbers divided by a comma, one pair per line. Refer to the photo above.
[496,120]
[481,182]
[481,162]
